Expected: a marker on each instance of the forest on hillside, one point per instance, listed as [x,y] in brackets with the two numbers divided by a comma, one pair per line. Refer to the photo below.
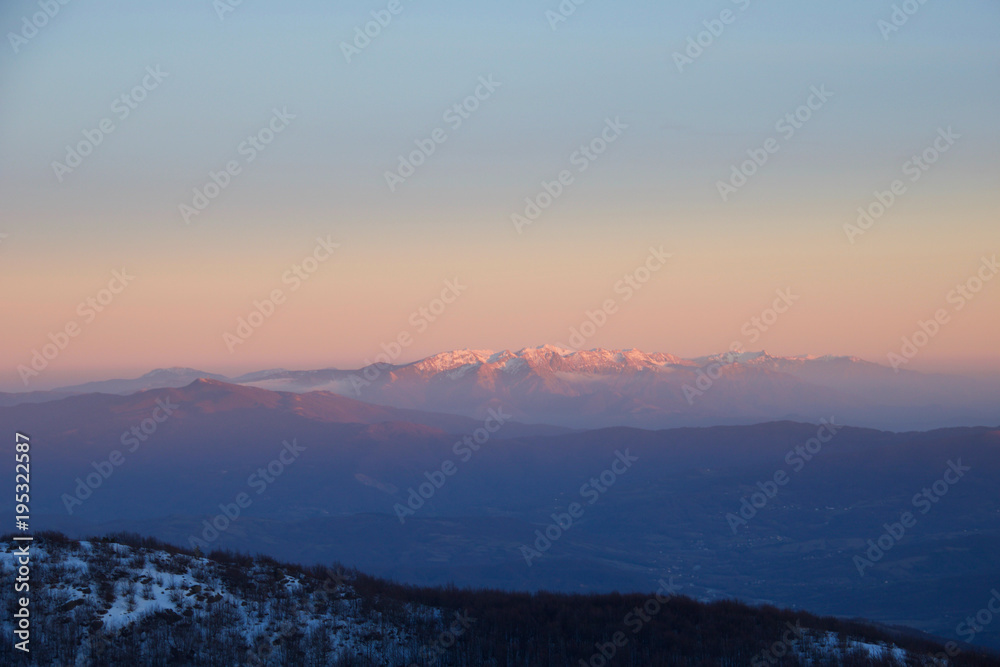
[128,600]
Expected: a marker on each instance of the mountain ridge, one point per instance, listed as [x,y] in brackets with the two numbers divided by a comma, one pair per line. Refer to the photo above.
[583,389]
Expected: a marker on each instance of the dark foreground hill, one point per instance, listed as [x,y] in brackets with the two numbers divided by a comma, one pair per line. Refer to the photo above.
[126,600]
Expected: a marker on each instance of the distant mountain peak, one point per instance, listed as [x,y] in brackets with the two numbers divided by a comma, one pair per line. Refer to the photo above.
[544,349]
[209,382]
[212,395]
[175,370]
[447,361]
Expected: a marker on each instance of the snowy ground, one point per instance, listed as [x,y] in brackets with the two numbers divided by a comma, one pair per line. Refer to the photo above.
[144,587]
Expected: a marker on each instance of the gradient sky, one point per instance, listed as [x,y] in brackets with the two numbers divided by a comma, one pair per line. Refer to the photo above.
[655,186]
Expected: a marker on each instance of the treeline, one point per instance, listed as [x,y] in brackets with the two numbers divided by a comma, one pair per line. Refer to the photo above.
[558,629]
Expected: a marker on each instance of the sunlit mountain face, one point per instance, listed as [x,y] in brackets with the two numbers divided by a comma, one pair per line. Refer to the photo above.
[595,388]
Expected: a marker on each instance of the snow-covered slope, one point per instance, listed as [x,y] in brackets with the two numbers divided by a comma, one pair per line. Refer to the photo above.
[102,603]
[110,603]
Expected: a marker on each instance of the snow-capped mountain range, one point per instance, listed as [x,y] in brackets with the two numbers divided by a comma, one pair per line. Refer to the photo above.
[607,387]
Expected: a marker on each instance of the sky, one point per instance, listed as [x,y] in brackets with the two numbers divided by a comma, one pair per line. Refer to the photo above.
[641,109]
